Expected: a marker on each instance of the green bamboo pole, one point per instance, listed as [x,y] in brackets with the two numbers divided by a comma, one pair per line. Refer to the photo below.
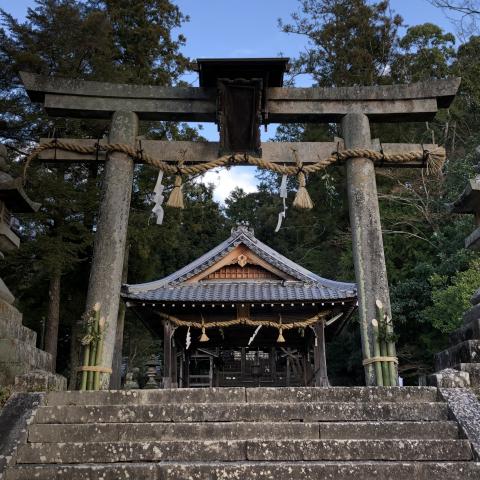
[392,352]
[96,378]
[376,353]
[383,343]
[86,357]
[93,349]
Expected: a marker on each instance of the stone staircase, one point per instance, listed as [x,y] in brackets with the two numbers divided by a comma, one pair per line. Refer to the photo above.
[21,363]
[236,433]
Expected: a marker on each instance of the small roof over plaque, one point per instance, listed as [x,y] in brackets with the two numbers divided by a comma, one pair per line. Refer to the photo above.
[270,70]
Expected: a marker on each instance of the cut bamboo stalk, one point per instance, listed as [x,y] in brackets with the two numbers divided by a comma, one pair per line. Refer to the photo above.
[86,357]
[93,349]
[96,378]
[376,353]
[383,342]
[392,352]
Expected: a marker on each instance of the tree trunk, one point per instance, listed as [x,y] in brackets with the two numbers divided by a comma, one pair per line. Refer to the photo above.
[53,318]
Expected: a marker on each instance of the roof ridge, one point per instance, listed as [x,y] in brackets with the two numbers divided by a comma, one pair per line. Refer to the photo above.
[242,233]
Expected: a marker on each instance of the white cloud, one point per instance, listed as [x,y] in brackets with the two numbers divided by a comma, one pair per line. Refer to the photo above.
[226,180]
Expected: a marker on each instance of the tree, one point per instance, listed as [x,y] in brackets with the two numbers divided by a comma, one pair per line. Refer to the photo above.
[108,41]
[464,13]
[349,42]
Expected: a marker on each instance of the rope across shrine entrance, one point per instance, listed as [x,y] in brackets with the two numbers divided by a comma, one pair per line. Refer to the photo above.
[433,161]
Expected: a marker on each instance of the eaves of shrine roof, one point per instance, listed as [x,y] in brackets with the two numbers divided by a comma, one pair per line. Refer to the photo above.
[304,284]
[224,292]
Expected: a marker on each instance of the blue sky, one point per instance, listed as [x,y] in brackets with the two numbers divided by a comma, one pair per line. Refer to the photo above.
[248,28]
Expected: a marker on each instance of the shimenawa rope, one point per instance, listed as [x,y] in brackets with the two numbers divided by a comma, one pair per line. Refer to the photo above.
[433,160]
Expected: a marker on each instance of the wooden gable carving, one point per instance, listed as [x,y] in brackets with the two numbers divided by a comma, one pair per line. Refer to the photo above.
[241,264]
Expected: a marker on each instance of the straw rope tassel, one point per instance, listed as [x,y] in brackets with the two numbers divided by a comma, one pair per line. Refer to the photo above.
[203,336]
[302,198]
[175,199]
[281,338]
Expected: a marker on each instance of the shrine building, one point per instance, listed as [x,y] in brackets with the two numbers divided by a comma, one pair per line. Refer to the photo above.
[243,315]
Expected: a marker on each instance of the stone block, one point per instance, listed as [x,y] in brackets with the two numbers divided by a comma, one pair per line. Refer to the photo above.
[8,311]
[473,369]
[341,394]
[253,471]
[307,412]
[468,331]
[113,432]
[11,327]
[348,450]
[465,352]
[450,378]
[17,358]
[464,408]
[147,397]
[40,381]
[5,293]
[388,430]
[471,314]
[14,419]
[105,452]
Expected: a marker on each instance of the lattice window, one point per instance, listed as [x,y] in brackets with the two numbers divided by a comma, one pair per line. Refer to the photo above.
[236,272]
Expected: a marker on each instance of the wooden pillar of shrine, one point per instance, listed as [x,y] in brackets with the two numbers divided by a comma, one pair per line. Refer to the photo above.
[319,355]
[167,355]
[368,253]
[174,365]
[110,238]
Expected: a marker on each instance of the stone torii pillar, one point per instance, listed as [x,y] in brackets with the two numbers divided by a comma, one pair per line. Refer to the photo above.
[368,253]
[353,107]
[111,235]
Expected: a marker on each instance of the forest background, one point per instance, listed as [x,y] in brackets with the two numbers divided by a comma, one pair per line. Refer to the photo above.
[347,42]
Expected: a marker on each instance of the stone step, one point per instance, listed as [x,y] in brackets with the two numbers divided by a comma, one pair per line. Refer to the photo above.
[13,328]
[252,470]
[17,358]
[115,432]
[246,450]
[465,352]
[236,395]
[244,412]
[342,394]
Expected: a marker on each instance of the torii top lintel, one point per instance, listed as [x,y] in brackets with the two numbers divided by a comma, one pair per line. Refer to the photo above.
[63,97]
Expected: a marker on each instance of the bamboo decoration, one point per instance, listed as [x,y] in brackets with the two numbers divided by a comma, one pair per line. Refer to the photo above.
[99,352]
[376,353]
[391,352]
[92,354]
[86,341]
[93,349]
[387,347]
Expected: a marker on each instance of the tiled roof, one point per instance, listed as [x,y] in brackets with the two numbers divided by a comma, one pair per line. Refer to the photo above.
[245,291]
[306,286]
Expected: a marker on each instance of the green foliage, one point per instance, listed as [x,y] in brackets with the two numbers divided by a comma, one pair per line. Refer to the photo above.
[349,42]
[451,297]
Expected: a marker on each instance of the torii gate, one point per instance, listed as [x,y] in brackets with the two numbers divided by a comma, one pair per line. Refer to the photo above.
[353,107]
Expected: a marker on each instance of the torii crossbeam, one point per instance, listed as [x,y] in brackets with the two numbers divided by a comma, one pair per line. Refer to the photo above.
[353,107]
